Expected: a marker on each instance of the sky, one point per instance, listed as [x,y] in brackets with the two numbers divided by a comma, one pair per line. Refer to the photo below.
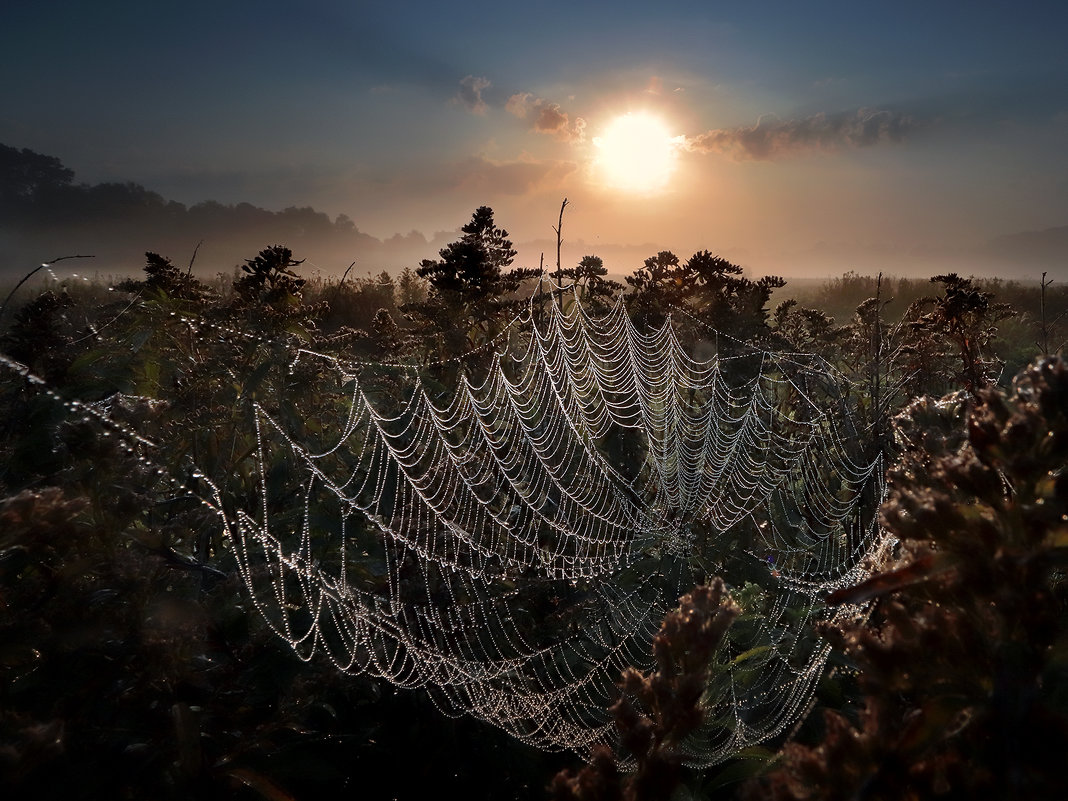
[792,138]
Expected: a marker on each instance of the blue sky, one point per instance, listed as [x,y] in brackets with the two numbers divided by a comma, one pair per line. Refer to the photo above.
[854,129]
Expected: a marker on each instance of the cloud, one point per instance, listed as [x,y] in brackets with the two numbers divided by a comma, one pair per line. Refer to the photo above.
[519,104]
[470,94]
[477,174]
[546,117]
[773,138]
[516,177]
[551,120]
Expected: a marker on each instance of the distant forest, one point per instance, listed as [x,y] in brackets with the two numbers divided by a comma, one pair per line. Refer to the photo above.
[42,208]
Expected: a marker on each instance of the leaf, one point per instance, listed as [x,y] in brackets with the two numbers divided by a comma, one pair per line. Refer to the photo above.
[297,330]
[252,383]
[747,655]
[151,373]
[87,359]
[746,764]
[139,339]
[18,655]
[187,733]
[883,583]
[260,784]
[1058,537]
[939,718]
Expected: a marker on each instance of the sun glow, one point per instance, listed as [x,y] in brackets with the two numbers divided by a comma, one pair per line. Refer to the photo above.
[636,153]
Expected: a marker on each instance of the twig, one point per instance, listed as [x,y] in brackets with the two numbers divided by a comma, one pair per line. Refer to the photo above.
[193,258]
[25,278]
[95,331]
[559,227]
[346,274]
[176,560]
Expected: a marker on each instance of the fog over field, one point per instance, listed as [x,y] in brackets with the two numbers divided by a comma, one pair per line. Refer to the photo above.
[117,223]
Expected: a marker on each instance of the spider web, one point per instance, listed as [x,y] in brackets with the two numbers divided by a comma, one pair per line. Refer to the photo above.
[511,546]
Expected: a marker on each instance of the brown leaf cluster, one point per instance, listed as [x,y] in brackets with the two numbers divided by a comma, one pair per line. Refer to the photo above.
[656,711]
[963,665]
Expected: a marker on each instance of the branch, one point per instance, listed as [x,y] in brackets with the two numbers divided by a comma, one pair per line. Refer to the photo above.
[193,258]
[559,227]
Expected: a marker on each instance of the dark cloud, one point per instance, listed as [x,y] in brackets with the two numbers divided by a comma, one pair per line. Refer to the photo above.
[470,94]
[546,117]
[773,138]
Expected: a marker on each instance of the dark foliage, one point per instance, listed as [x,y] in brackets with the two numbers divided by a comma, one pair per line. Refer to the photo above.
[123,674]
[26,176]
[165,281]
[953,333]
[590,285]
[131,662]
[472,294]
[963,668]
[709,288]
[36,339]
[131,665]
[656,712]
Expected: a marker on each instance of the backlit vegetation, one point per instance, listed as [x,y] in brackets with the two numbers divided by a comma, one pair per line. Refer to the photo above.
[131,663]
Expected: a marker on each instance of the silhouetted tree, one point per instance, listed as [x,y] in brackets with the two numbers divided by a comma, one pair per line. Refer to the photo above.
[808,330]
[26,176]
[38,336]
[709,287]
[270,293]
[413,289]
[588,278]
[953,334]
[657,286]
[166,280]
[471,288]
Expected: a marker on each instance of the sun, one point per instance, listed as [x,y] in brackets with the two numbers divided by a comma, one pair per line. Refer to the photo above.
[636,153]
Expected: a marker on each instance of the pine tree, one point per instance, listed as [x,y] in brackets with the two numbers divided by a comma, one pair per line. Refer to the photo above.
[470,284]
